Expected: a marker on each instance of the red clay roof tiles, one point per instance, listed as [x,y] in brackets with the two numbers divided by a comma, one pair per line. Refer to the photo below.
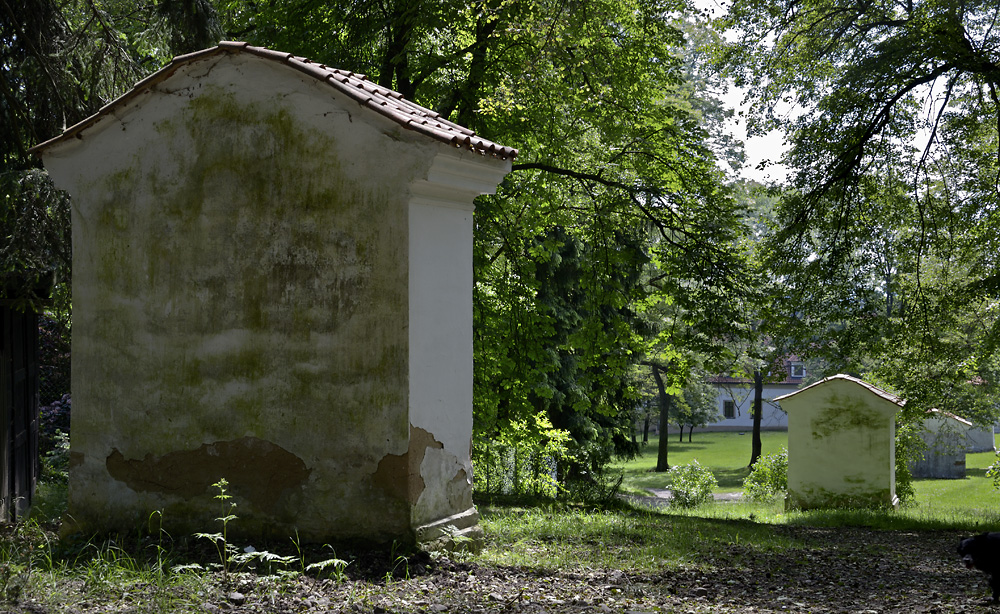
[386,102]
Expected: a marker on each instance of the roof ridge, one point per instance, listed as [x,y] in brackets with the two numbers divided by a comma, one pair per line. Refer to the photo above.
[888,396]
[356,86]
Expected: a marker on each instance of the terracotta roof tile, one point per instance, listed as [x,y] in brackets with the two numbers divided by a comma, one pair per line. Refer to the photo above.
[356,86]
[888,396]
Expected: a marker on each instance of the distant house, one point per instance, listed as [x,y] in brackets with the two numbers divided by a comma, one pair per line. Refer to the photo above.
[734,399]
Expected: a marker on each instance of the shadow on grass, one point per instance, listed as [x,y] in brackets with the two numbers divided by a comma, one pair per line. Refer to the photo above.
[903,519]
[971,472]
[674,446]
[622,537]
[731,479]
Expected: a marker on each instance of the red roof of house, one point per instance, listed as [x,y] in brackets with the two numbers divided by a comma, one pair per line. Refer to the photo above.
[788,380]
[357,87]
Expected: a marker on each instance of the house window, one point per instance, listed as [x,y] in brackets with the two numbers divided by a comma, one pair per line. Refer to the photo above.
[797,370]
[729,409]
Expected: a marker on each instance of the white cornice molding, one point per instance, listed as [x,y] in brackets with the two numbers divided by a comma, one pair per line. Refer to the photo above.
[456,178]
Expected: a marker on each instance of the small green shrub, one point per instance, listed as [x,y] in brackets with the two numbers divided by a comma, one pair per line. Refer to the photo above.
[768,479]
[993,472]
[55,461]
[691,485]
[522,460]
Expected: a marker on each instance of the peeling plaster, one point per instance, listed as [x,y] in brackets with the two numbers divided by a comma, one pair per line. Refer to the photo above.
[258,470]
[399,475]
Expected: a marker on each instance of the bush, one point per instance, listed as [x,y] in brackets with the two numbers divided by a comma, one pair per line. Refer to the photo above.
[768,479]
[55,461]
[521,460]
[691,485]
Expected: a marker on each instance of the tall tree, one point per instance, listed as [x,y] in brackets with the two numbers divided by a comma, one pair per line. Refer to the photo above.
[700,407]
[60,62]
[886,235]
[613,175]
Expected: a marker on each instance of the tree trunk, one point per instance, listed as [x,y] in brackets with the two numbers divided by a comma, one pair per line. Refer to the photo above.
[664,403]
[690,432]
[396,60]
[645,429]
[680,427]
[758,405]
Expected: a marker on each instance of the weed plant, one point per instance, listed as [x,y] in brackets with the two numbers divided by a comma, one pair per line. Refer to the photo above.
[768,479]
[146,570]
[691,485]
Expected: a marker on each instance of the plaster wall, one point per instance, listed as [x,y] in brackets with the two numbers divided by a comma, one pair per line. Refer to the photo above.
[241,276]
[440,348]
[945,439]
[773,417]
[841,446]
[981,439]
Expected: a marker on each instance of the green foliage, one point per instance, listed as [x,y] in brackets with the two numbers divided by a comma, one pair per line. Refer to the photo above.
[884,239]
[910,447]
[55,462]
[691,485]
[522,461]
[768,478]
[993,472]
[697,406]
[36,254]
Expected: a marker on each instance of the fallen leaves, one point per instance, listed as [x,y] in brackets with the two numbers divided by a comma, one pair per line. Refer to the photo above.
[834,571]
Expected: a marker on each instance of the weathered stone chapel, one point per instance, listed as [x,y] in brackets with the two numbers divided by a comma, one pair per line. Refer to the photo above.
[272,285]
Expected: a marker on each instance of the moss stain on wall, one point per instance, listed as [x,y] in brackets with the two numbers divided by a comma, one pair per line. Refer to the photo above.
[841,414]
[270,290]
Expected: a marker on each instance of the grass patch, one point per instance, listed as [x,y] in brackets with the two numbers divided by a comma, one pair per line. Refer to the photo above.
[622,539]
[974,494]
[726,454]
[141,573]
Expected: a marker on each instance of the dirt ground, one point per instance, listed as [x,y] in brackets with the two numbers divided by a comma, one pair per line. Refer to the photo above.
[837,570]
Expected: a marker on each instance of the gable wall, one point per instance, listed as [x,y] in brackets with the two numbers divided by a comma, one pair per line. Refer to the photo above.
[841,448]
[240,277]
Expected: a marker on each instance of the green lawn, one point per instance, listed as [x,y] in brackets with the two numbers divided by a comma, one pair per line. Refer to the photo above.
[727,455]
[974,493]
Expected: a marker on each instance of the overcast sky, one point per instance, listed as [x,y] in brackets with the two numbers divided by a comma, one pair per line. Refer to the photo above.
[768,147]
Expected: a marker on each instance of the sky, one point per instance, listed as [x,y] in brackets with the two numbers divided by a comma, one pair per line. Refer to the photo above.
[759,148]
